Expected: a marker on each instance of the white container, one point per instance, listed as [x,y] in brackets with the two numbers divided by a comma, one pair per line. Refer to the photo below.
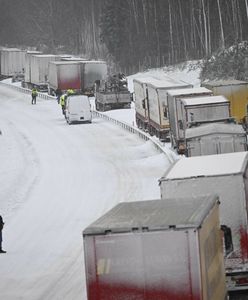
[64,75]
[91,71]
[156,250]
[12,61]
[199,110]
[174,96]
[78,109]
[39,68]
[141,100]
[227,176]
[215,138]
[28,55]
[157,104]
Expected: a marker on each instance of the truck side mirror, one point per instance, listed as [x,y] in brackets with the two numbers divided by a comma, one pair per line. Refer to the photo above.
[143,103]
[227,239]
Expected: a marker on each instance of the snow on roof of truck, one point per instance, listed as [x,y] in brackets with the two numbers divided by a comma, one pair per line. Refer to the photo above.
[146,79]
[214,128]
[223,82]
[45,55]
[94,61]
[32,52]
[189,91]
[168,83]
[204,100]
[63,62]
[12,50]
[208,165]
[153,215]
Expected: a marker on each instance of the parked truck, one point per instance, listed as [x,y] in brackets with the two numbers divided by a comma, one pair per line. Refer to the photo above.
[112,93]
[174,96]
[79,75]
[236,92]
[215,138]
[226,176]
[141,100]
[195,111]
[92,71]
[12,62]
[27,76]
[158,116]
[64,75]
[168,250]
[39,70]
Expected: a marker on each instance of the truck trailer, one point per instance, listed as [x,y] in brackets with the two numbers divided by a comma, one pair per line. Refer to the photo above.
[158,115]
[64,75]
[226,176]
[195,111]
[12,62]
[141,100]
[154,249]
[39,70]
[236,91]
[27,76]
[174,96]
[215,138]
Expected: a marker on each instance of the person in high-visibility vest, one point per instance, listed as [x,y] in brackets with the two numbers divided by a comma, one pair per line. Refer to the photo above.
[63,103]
[34,94]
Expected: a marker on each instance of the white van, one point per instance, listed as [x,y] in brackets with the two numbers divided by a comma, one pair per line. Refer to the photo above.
[78,109]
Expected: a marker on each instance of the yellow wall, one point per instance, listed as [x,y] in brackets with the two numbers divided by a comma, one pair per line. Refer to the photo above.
[238,97]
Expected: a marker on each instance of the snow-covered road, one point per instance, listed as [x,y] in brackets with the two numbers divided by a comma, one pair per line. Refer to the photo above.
[55,180]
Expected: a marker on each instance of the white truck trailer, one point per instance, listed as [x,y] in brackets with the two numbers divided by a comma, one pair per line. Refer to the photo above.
[227,176]
[215,138]
[64,75]
[156,250]
[158,116]
[195,111]
[174,96]
[91,72]
[27,75]
[141,100]
[12,62]
[39,70]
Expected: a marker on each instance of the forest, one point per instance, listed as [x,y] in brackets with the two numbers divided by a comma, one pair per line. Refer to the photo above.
[132,35]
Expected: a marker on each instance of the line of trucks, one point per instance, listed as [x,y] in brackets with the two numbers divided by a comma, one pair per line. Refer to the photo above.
[52,73]
[191,244]
[198,121]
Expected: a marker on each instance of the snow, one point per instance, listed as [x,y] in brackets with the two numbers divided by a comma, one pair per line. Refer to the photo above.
[204,100]
[182,92]
[57,179]
[214,128]
[208,165]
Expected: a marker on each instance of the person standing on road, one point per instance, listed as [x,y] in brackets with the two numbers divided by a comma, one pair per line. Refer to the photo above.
[62,103]
[34,95]
[58,93]
[1,228]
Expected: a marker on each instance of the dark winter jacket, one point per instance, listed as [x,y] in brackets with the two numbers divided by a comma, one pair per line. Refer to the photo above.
[1,223]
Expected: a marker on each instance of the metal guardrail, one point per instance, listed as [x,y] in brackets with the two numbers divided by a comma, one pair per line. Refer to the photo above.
[27,91]
[136,131]
[126,126]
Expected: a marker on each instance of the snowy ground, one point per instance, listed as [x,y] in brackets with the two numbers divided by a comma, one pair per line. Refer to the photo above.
[55,180]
